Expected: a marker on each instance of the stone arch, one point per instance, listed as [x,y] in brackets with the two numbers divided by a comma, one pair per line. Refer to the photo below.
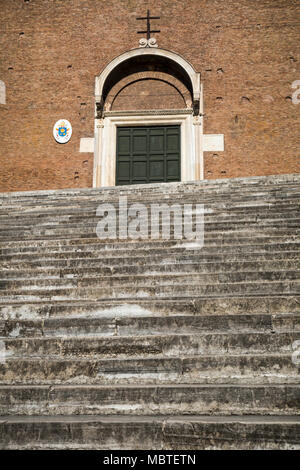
[147,60]
[134,67]
[148,75]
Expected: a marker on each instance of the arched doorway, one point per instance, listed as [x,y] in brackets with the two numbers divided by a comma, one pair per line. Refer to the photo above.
[148,123]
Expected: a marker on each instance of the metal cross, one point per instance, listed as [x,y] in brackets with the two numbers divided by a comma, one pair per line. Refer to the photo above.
[148,18]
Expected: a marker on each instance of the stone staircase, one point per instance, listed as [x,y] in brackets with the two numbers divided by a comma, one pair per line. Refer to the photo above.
[151,344]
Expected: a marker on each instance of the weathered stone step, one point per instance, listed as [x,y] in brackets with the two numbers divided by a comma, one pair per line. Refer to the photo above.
[163,193]
[142,261]
[136,269]
[191,248]
[148,279]
[231,187]
[165,246]
[129,291]
[89,230]
[61,244]
[185,399]
[151,327]
[90,219]
[262,184]
[240,197]
[148,325]
[187,268]
[238,204]
[252,232]
[95,246]
[150,433]
[36,224]
[168,306]
[159,345]
[211,209]
[204,369]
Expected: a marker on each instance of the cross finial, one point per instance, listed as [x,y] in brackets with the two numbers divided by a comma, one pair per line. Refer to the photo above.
[149,31]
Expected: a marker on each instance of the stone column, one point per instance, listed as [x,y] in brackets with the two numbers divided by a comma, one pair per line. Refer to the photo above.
[98,156]
[198,148]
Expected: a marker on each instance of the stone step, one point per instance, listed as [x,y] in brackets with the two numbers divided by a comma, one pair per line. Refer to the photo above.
[252,184]
[204,369]
[236,186]
[266,234]
[160,192]
[183,258]
[211,216]
[165,193]
[159,345]
[262,203]
[191,248]
[237,197]
[135,269]
[100,339]
[107,246]
[186,290]
[150,432]
[166,307]
[89,230]
[134,400]
[148,325]
[149,279]
[96,245]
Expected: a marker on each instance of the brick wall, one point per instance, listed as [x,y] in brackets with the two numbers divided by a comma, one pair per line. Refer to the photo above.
[148,94]
[247,52]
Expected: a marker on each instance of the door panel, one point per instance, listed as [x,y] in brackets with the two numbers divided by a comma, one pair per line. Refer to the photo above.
[148,154]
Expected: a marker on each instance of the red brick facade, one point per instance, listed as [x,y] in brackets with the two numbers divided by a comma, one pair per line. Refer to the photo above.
[247,52]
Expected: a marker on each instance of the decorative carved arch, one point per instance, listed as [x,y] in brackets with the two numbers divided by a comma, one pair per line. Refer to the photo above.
[147,63]
[143,60]
[165,77]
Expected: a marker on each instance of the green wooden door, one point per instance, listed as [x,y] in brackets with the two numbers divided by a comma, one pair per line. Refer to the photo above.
[148,154]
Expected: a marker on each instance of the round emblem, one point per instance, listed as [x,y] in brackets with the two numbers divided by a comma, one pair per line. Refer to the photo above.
[62,131]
